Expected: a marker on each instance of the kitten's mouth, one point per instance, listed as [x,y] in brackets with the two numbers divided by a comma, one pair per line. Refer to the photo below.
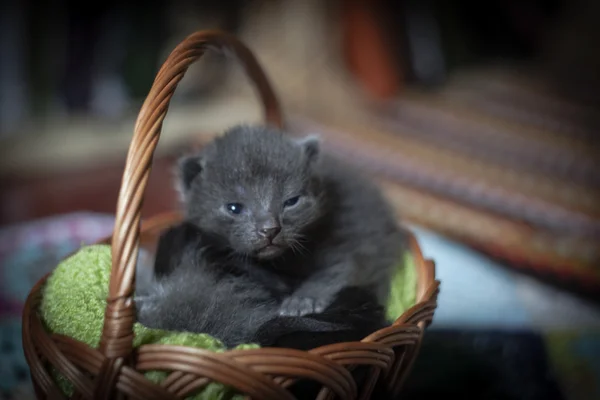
[269,251]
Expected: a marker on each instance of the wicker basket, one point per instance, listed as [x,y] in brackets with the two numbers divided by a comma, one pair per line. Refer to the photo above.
[115,370]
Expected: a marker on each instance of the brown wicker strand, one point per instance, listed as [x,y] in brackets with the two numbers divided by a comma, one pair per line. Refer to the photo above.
[178,380]
[395,335]
[78,353]
[91,360]
[196,361]
[51,351]
[276,362]
[44,381]
[396,382]
[369,384]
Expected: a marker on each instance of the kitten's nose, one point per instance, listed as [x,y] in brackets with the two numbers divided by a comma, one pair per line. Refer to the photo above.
[270,232]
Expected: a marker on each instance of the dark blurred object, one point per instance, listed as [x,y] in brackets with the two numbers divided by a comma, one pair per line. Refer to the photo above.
[505,29]
[430,38]
[14,99]
[570,55]
[424,36]
[98,58]
[482,365]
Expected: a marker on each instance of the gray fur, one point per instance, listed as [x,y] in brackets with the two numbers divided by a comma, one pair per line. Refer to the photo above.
[197,297]
[211,275]
[340,233]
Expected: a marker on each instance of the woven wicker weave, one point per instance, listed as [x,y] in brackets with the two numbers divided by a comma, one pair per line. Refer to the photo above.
[115,370]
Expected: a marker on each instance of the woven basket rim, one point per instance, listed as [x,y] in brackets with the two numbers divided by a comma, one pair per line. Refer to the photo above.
[375,349]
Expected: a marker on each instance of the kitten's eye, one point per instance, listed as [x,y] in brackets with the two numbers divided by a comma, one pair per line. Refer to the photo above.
[291,201]
[235,208]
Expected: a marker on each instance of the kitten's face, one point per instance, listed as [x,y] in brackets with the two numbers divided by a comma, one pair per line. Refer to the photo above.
[255,189]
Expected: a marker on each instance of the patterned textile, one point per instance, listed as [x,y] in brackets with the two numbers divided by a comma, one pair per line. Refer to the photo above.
[28,252]
[495,159]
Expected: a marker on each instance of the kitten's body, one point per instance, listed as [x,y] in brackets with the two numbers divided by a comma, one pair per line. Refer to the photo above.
[333,230]
[340,233]
[199,289]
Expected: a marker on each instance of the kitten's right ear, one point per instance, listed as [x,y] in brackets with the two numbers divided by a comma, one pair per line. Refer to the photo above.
[311,147]
[188,168]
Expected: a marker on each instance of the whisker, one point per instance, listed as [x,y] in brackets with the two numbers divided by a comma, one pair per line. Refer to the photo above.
[296,245]
[294,248]
[300,238]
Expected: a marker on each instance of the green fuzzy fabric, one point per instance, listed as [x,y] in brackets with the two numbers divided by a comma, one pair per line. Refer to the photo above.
[74,301]
[404,288]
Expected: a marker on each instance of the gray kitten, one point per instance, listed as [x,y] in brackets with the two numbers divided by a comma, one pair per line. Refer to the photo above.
[299,222]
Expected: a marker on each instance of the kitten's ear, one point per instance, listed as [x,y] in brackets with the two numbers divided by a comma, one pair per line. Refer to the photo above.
[311,147]
[188,168]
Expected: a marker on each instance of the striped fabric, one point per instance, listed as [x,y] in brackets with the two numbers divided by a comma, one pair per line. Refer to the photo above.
[495,159]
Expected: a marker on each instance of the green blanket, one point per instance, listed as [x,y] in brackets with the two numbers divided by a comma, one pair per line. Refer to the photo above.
[75,299]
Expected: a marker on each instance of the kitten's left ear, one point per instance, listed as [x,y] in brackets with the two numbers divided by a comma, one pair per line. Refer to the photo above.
[188,168]
[311,147]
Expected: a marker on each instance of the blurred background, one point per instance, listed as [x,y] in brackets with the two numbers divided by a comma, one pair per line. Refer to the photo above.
[481,120]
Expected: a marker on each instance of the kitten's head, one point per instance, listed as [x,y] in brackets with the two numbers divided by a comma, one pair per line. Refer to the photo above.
[254,188]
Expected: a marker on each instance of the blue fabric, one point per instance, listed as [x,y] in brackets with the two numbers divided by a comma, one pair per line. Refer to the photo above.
[477,292]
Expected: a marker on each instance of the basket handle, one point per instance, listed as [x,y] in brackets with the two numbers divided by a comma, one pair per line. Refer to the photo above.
[117,334]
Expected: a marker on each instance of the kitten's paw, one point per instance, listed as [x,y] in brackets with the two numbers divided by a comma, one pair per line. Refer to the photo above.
[296,306]
[145,309]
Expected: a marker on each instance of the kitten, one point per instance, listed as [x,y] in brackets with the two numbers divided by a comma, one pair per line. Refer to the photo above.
[197,288]
[298,221]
